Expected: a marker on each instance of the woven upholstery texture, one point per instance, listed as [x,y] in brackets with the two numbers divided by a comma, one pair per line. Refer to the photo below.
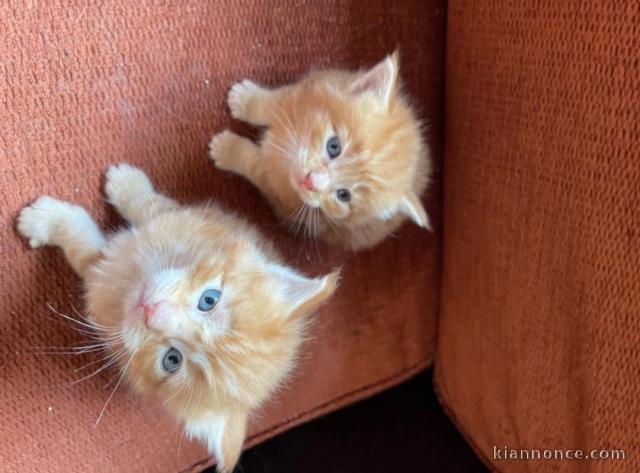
[87,84]
[539,336]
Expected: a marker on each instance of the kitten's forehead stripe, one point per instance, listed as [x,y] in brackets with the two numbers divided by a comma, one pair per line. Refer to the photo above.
[203,272]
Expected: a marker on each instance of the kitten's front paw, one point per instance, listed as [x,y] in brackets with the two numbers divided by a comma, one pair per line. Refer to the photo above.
[220,149]
[124,183]
[36,222]
[240,96]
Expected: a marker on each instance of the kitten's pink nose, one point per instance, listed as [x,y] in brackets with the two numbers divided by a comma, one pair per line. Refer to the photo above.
[158,316]
[148,310]
[307,181]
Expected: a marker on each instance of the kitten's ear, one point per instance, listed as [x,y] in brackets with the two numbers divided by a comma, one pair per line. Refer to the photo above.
[224,436]
[303,295]
[381,80]
[411,206]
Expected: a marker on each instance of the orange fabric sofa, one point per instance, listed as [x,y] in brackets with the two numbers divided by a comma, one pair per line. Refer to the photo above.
[527,294]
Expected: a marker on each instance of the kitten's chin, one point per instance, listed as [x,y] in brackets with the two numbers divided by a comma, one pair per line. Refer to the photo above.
[308,198]
[313,203]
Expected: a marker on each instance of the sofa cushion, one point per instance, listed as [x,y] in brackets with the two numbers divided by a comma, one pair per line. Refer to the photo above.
[145,82]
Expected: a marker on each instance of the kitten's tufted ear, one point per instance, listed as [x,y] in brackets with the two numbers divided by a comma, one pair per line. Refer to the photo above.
[411,206]
[224,435]
[381,79]
[303,295]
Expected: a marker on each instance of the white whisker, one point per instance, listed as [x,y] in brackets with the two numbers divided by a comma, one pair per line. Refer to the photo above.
[88,320]
[124,371]
[65,352]
[94,328]
[91,375]
[108,357]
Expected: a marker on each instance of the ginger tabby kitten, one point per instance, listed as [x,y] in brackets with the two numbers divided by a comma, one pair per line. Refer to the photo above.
[343,157]
[191,304]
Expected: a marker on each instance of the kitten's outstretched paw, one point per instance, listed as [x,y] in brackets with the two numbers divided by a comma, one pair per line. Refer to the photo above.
[240,96]
[126,183]
[37,221]
[220,150]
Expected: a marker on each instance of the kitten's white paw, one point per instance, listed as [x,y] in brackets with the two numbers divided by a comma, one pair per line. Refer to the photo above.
[239,97]
[124,183]
[37,221]
[220,149]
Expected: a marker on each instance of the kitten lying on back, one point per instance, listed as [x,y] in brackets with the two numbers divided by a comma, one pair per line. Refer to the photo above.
[194,305]
[343,155]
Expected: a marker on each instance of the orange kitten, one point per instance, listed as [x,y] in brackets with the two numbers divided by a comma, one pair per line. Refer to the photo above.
[343,155]
[193,305]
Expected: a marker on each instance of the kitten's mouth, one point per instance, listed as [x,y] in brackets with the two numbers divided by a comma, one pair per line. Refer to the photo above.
[308,200]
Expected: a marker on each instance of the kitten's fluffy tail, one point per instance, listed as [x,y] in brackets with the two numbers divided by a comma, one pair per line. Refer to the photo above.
[224,434]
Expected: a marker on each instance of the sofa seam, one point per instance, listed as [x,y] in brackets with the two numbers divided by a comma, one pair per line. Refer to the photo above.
[441,395]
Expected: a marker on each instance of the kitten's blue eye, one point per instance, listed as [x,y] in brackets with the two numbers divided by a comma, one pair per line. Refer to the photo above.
[333,147]
[208,300]
[172,360]
[343,195]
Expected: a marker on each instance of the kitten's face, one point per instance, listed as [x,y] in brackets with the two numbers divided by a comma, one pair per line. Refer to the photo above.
[328,168]
[202,325]
[173,318]
[181,300]
[353,153]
